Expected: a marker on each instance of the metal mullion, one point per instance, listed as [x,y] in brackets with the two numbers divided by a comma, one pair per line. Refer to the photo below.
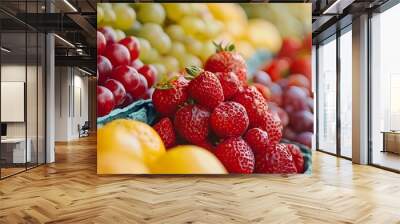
[26,88]
[369,83]
[0,95]
[338,95]
[317,96]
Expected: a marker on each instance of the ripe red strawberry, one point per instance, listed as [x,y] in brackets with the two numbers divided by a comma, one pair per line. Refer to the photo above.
[227,60]
[278,68]
[276,159]
[265,91]
[302,65]
[271,123]
[206,144]
[205,88]
[253,102]
[236,155]
[165,129]
[297,157]
[257,139]
[230,83]
[229,119]
[192,123]
[169,95]
[290,47]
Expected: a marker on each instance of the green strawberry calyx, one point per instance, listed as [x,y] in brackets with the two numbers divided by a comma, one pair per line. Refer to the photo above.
[220,47]
[166,83]
[193,72]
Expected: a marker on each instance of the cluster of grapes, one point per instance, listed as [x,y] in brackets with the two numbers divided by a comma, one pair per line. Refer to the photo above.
[172,36]
[122,78]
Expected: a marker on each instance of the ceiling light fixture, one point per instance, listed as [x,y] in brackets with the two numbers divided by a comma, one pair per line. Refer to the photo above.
[70,5]
[84,71]
[332,6]
[5,49]
[64,40]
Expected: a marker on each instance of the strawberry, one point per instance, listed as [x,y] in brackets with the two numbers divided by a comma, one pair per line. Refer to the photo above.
[278,68]
[206,144]
[271,123]
[229,119]
[253,102]
[236,155]
[302,65]
[169,95]
[290,47]
[265,91]
[276,159]
[230,83]
[165,129]
[297,157]
[204,88]
[227,60]
[192,123]
[257,139]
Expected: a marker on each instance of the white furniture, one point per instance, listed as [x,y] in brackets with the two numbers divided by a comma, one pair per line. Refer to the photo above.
[17,147]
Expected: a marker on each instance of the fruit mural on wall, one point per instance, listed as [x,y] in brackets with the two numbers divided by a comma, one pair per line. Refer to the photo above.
[179,92]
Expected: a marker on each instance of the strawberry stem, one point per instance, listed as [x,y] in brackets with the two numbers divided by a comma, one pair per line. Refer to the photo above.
[219,47]
[193,71]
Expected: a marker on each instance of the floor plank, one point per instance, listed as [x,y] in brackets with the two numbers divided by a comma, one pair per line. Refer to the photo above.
[69,191]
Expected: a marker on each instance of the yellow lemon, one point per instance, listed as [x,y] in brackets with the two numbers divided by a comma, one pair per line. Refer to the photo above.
[187,159]
[128,138]
[109,163]
[263,34]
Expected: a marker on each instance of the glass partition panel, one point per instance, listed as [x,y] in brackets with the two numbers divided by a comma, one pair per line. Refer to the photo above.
[346,94]
[327,96]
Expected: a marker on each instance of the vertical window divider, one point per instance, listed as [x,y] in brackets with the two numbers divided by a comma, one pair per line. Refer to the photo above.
[338,100]
[316,97]
[26,86]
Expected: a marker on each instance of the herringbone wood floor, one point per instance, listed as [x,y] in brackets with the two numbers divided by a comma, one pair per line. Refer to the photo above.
[69,191]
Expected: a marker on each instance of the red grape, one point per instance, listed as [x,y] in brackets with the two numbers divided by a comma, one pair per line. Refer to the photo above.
[104,68]
[295,99]
[109,34]
[280,112]
[304,138]
[127,100]
[101,43]
[133,46]
[117,89]
[289,134]
[141,89]
[276,94]
[137,64]
[302,121]
[118,54]
[299,80]
[150,73]
[105,101]
[128,76]
[262,78]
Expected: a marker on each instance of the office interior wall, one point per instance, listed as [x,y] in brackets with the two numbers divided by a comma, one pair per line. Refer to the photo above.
[71,102]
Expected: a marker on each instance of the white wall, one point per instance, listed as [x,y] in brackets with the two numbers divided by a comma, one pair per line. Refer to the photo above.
[71,94]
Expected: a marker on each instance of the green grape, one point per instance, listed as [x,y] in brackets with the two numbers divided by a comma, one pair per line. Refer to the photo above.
[109,16]
[207,50]
[214,27]
[134,30]
[177,49]
[150,31]
[125,16]
[193,46]
[161,70]
[151,13]
[100,14]
[162,43]
[175,32]
[119,34]
[170,63]
[175,11]
[189,60]
[105,5]
[192,25]
[153,56]
[145,48]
